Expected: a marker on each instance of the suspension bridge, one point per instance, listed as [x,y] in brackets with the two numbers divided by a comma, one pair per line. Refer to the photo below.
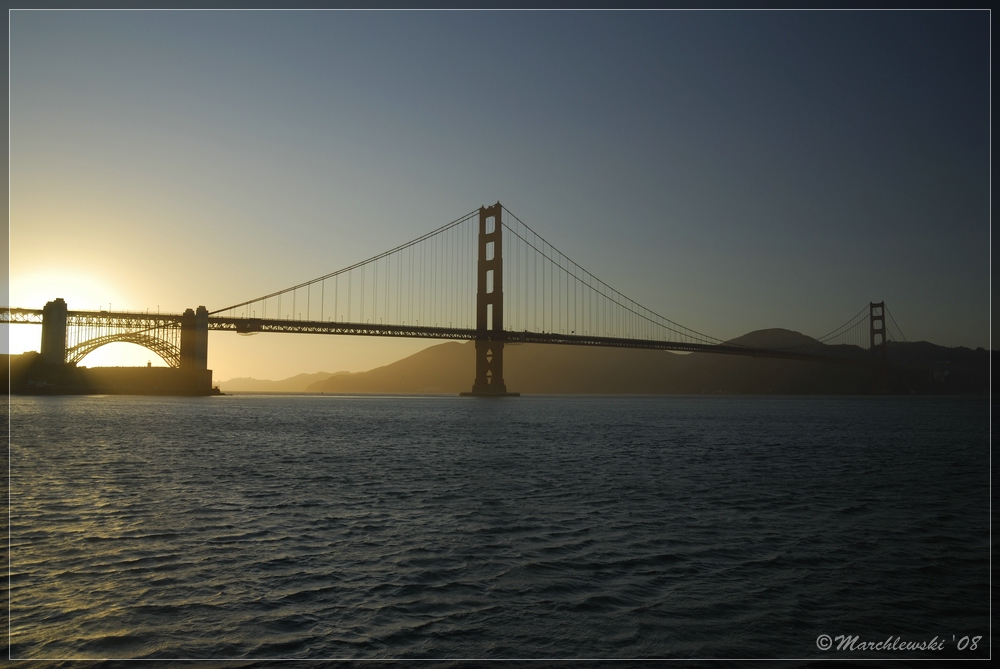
[486,276]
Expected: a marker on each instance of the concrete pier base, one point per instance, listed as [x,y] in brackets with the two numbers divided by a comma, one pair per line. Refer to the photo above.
[30,374]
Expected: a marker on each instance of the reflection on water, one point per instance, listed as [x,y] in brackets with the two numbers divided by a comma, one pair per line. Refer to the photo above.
[324,527]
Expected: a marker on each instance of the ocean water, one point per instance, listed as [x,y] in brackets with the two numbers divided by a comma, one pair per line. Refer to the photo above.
[259,527]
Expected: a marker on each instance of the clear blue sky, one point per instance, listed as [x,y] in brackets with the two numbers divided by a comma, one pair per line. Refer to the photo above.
[731,170]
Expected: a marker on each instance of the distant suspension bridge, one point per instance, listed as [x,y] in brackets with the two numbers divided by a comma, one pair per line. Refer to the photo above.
[486,276]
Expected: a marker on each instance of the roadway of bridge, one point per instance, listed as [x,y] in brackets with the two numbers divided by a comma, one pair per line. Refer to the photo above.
[141,320]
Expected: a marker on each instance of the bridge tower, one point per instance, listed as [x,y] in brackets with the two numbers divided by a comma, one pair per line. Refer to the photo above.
[876,333]
[489,306]
[194,347]
[54,332]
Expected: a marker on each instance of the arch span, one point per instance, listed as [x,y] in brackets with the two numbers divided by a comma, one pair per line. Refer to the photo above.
[170,353]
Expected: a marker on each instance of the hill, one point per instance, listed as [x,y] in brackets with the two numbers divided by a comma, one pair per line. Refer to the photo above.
[777,338]
[445,368]
[295,384]
[539,368]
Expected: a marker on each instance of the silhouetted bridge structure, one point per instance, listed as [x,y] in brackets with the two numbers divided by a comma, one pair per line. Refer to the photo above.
[485,277]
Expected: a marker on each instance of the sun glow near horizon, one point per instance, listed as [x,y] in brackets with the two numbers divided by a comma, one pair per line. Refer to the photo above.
[81,291]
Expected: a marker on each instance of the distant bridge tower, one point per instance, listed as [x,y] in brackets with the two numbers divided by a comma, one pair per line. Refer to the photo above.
[489,306]
[54,332]
[876,332]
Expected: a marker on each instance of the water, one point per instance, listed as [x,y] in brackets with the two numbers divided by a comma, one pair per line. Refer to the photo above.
[539,527]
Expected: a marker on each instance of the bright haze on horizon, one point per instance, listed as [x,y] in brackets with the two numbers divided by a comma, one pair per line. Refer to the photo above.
[733,171]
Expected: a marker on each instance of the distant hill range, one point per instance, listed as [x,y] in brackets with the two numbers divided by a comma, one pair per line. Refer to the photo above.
[294,384]
[449,368]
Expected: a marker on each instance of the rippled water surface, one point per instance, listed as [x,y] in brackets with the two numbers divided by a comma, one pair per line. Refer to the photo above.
[368,527]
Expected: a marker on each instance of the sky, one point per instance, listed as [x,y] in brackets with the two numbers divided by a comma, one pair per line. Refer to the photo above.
[731,170]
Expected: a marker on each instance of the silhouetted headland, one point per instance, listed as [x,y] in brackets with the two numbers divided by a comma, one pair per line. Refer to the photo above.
[915,368]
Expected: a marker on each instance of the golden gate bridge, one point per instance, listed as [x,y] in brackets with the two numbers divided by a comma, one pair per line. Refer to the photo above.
[486,277]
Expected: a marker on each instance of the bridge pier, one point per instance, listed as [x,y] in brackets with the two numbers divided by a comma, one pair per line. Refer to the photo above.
[67,337]
[54,332]
[489,307]
[194,348]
